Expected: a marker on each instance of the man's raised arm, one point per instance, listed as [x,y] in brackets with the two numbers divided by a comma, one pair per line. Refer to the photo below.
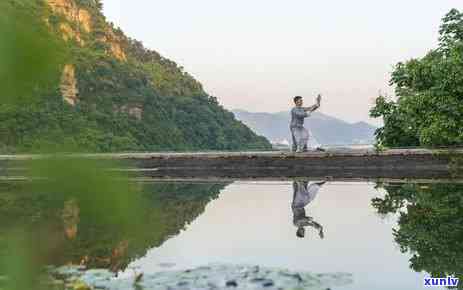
[316,106]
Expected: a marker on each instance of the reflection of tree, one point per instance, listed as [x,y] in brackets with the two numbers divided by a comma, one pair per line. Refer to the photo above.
[430,225]
[81,239]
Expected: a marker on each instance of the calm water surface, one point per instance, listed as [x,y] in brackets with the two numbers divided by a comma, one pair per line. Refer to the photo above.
[388,236]
[252,223]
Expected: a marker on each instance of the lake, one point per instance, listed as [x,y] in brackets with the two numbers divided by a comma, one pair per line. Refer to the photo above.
[387,236]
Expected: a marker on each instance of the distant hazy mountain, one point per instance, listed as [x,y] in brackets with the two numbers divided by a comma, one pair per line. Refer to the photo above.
[324,129]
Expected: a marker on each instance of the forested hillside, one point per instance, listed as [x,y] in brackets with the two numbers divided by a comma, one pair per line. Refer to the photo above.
[106,92]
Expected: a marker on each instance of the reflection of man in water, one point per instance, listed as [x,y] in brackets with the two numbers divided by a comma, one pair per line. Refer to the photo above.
[303,195]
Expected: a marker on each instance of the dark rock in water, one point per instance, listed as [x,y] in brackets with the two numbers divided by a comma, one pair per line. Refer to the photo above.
[298,277]
[231,283]
[268,283]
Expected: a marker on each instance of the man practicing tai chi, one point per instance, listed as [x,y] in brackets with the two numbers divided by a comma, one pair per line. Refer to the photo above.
[300,135]
[303,195]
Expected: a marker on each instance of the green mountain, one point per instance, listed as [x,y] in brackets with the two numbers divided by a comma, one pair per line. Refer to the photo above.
[111,93]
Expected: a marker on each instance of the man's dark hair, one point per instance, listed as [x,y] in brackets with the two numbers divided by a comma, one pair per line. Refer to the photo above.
[297,98]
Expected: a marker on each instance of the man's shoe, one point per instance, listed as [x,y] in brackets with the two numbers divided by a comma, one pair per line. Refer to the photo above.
[320,149]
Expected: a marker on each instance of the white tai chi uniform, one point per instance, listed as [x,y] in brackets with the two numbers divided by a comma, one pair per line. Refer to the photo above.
[303,195]
[299,134]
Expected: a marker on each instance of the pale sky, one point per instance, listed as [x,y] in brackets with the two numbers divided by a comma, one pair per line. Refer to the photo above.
[257,54]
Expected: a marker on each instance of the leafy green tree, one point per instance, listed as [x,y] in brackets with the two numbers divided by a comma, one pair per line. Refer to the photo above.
[429,106]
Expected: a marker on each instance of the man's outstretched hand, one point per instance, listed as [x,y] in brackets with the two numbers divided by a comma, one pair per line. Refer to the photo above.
[314,107]
[319,99]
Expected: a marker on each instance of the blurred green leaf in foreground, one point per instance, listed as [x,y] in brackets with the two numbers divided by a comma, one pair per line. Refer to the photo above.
[31,59]
[30,55]
[82,188]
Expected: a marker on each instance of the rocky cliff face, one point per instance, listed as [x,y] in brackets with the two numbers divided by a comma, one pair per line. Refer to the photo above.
[73,22]
[72,12]
[68,86]
[77,19]
[70,34]
[114,42]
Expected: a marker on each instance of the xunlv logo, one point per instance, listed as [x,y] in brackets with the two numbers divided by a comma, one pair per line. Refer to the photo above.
[436,282]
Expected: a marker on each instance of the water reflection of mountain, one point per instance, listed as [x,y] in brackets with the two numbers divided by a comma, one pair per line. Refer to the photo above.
[430,225]
[166,209]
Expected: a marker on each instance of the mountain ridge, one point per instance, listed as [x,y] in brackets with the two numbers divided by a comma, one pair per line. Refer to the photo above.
[325,129]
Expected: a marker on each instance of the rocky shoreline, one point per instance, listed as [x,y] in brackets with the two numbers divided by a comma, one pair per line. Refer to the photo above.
[211,277]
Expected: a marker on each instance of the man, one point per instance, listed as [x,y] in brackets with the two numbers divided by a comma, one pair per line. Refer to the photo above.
[299,134]
[303,195]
